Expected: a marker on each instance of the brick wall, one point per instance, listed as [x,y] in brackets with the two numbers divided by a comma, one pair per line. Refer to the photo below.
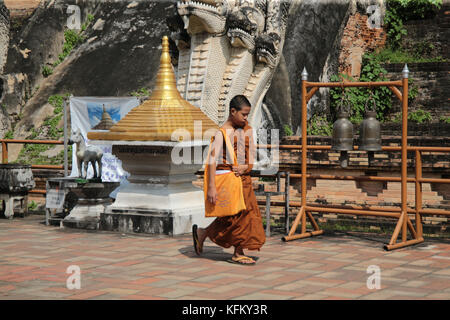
[432,80]
[384,161]
[433,31]
[357,39]
[21,9]
[430,132]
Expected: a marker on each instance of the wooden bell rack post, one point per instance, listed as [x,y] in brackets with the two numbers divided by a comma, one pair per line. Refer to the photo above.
[403,223]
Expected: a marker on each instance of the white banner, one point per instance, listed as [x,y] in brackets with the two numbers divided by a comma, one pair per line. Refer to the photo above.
[85,115]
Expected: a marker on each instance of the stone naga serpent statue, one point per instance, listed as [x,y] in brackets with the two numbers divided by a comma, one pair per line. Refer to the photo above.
[227,48]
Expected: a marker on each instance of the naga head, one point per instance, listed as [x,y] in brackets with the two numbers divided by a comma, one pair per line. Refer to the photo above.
[268,48]
[203,15]
[243,26]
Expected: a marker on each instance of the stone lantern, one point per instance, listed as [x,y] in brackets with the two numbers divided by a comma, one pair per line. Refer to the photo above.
[160,143]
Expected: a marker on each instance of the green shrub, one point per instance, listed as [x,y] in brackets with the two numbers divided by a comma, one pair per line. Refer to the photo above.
[46,71]
[59,158]
[394,25]
[400,11]
[34,133]
[358,96]
[319,126]
[371,71]
[389,55]
[53,131]
[287,130]
[71,40]
[33,153]
[32,205]
[419,116]
[57,101]
[413,90]
[444,119]
[142,92]
[9,135]
[408,10]
[423,48]
[88,21]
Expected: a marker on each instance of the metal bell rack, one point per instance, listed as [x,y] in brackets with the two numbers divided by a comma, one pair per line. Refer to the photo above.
[400,89]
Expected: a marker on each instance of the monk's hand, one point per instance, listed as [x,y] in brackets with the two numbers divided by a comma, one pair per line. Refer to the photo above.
[239,169]
[212,195]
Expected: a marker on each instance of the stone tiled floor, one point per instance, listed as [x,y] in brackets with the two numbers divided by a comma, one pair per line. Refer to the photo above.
[34,259]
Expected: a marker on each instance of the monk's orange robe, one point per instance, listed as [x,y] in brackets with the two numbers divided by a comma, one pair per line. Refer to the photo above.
[244,229]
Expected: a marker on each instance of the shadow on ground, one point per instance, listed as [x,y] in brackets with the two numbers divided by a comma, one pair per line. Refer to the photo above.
[214,253]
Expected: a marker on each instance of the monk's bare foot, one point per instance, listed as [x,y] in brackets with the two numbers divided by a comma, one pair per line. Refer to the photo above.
[242,259]
[238,251]
[201,234]
[240,256]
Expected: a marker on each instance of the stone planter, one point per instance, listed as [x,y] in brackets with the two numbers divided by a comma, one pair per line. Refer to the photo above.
[91,203]
[15,182]
[16,178]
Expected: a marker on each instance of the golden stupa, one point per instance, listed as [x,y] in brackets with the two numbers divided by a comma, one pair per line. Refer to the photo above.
[159,116]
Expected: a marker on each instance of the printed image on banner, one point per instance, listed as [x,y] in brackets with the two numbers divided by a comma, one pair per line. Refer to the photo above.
[100,114]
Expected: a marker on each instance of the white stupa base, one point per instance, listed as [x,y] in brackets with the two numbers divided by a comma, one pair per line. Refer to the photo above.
[159,198]
[156,209]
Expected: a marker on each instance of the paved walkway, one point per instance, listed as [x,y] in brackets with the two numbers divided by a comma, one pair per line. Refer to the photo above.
[34,259]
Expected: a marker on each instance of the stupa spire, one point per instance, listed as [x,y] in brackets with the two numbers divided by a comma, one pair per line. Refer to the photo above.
[166,85]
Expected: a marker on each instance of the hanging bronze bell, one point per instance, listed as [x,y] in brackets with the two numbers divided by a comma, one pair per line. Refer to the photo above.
[370,134]
[342,139]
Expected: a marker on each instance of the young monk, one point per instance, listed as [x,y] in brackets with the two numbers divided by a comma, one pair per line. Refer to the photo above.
[245,229]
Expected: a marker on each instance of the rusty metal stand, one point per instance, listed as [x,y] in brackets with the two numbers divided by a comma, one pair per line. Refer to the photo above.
[404,223]
[268,194]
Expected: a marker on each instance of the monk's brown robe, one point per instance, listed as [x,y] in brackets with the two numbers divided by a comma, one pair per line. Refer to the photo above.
[244,229]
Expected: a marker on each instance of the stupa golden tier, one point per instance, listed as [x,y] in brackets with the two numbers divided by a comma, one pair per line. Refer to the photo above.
[159,116]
